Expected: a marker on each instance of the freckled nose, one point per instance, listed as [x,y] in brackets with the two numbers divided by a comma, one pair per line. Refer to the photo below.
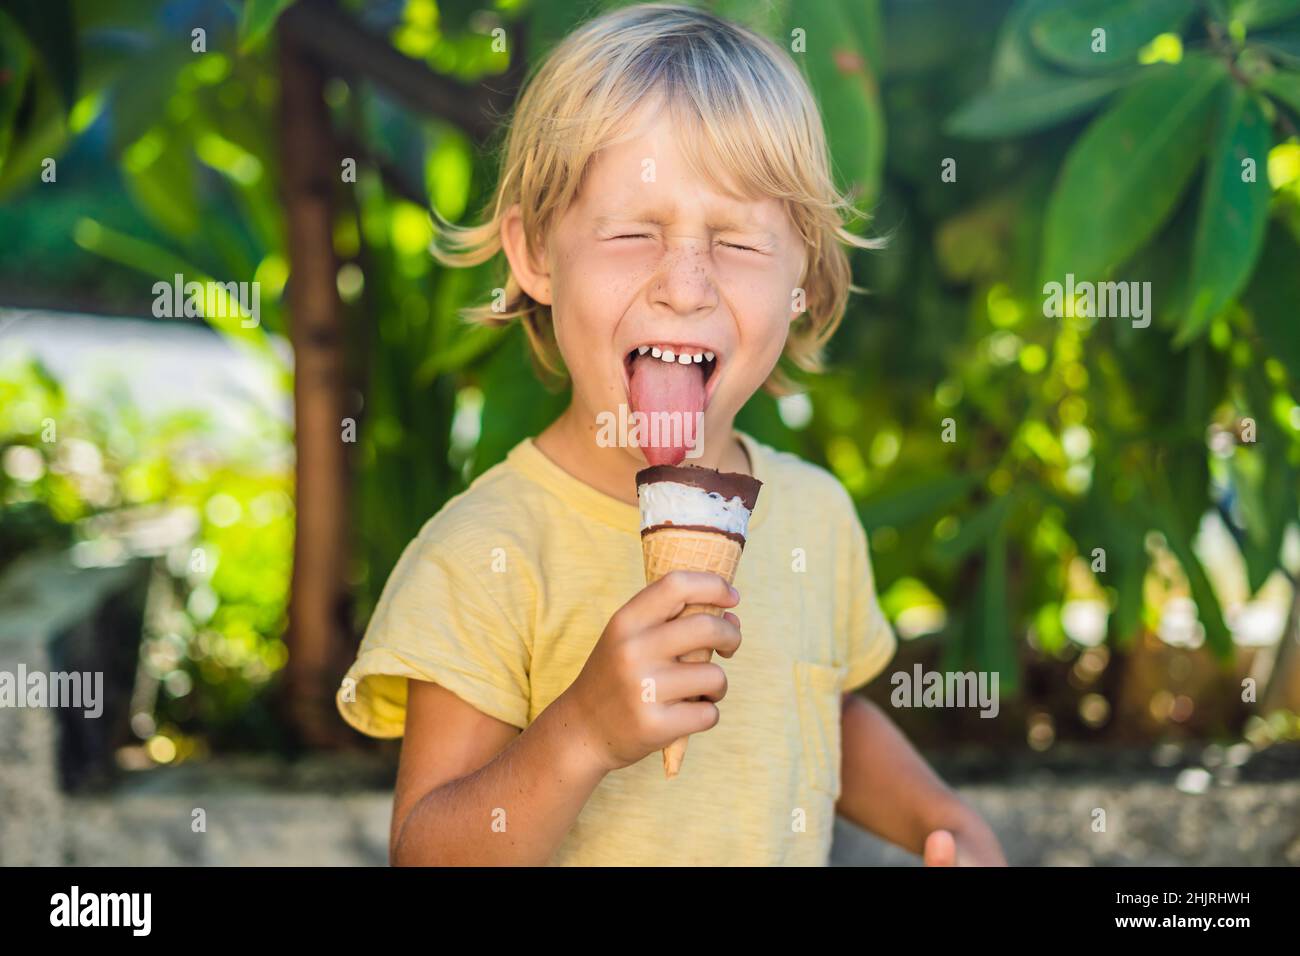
[685,279]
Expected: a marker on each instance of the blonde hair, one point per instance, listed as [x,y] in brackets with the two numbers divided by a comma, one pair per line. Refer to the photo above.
[750,113]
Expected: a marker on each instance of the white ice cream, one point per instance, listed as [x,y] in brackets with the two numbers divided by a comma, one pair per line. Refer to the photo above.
[671,501]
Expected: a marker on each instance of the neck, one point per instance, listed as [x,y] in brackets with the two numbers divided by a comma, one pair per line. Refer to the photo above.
[570,442]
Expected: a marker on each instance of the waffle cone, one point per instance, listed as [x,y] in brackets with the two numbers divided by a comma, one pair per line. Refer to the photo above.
[679,549]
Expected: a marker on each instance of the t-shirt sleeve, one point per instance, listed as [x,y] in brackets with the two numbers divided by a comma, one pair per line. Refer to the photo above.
[870,639]
[436,621]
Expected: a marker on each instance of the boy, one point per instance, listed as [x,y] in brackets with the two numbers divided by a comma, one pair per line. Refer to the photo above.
[664,195]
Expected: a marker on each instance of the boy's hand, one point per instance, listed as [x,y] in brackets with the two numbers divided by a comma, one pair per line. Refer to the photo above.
[942,848]
[633,695]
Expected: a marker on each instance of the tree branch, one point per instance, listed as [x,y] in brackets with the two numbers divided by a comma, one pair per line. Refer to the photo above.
[340,45]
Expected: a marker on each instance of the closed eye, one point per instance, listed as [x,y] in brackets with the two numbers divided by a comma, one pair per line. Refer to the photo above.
[732,245]
[637,236]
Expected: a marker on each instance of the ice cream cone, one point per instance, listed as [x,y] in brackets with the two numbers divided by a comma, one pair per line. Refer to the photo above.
[680,549]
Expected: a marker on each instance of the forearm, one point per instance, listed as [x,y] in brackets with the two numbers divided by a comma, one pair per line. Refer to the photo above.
[889,789]
[515,810]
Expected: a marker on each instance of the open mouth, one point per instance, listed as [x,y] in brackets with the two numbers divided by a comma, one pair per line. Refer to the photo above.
[703,361]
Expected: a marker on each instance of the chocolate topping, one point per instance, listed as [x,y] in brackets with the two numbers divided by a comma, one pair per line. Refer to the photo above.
[728,484]
[668,525]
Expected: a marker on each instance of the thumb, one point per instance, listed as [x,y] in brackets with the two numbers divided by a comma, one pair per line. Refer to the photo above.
[940,849]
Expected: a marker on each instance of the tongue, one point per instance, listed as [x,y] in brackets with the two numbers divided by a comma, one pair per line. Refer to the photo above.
[667,387]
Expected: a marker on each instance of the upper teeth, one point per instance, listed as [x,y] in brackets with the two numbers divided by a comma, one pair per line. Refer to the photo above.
[668,355]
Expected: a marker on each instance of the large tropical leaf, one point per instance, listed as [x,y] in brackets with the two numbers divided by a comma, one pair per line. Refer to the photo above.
[1014,56]
[1234,211]
[846,84]
[1283,46]
[767,18]
[1124,175]
[1179,498]
[1068,34]
[256,20]
[515,405]
[869,28]
[997,643]
[1032,103]
[984,640]
[51,30]
[918,499]
[1273,296]
[1285,86]
[1265,13]
[15,64]
[550,21]
[976,529]
[1265,483]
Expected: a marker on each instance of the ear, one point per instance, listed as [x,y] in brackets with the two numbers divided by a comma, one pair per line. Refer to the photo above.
[531,276]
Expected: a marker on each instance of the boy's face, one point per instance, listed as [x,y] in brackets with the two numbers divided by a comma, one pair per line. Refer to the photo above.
[649,255]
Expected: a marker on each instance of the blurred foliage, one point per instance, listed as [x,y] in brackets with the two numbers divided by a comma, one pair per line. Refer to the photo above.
[100,475]
[1068,434]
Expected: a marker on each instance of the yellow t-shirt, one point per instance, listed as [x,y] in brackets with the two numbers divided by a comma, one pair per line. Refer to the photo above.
[505,591]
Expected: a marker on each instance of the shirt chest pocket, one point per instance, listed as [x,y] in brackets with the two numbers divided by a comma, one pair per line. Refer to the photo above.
[817,693]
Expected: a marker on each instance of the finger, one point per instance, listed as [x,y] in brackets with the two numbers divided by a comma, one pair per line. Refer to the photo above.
[735,622]
[940,849]
[683,681]
[694,633]
[668,597]
[689,717]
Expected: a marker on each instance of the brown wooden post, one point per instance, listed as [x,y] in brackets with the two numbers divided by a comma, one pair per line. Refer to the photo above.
[318,637]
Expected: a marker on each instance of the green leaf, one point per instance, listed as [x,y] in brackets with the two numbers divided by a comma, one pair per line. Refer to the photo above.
[471,344]
[1179,534]
[916,500]
[1131,568]
[997,645]
[1284,86]
[869,28]
[52,32]
[1066,35]
[1266,485]
[45,135]
[1014,57]
[984,640]
[845,83]
[454,15]
[767,17]
[1285,46]
[550,21]
[1234,213]
[1126,173]
[15,64]
[975,530]
[1272,296]
[159,175]
[256,21]
[1265,13]
[1207,604]
[141,94]
[1030,104]
[162,264]
[515,405]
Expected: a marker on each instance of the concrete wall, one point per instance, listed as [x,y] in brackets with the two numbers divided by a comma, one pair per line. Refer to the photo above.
[335,812]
